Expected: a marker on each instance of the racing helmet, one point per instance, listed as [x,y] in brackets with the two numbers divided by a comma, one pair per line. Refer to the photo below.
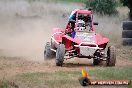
[81,25]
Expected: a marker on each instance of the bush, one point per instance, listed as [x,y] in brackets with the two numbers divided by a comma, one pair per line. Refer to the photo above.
[103,7]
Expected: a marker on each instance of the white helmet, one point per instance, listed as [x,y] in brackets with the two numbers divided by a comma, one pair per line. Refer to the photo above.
[81,25]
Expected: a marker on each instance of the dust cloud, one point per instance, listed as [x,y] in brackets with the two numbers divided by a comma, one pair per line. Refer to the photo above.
[26,26]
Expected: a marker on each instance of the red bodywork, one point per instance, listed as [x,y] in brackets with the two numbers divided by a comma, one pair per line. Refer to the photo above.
[62,37]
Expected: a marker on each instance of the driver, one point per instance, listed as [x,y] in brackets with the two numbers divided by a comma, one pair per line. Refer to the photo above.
[88,23]
[73,33]
[71,29]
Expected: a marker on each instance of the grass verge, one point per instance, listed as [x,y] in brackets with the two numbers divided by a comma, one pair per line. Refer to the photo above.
[4,84]
[58,79]
[112,73]
[122,73]
[69,79]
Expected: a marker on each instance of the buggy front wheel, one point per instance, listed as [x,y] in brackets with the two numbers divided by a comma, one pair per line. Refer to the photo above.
[60,55]
[111,56]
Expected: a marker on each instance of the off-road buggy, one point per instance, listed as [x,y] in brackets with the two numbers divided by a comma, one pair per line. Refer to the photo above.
[79,39]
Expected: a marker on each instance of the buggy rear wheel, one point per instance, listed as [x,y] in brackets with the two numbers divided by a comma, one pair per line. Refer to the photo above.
[60,55]
[48,53]
[111,56]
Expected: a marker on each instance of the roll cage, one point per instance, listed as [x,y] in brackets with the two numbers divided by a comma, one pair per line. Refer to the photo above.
[84,15]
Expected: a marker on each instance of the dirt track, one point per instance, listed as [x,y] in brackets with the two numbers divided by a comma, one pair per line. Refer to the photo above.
[26,26]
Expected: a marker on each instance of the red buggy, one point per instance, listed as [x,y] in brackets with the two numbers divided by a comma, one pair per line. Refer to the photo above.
[79,39]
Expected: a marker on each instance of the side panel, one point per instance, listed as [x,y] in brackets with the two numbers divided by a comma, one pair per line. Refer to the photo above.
[103,45]
[58,36]
[101,42]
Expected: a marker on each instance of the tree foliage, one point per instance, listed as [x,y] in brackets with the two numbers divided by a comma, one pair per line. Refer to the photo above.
[102,6]
[128,3]
[124,2]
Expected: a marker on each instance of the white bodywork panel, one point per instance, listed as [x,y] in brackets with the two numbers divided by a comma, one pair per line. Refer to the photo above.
[87,38]
[87,51]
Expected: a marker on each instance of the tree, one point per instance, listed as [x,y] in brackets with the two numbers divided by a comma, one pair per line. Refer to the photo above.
[128,3]
[104,7]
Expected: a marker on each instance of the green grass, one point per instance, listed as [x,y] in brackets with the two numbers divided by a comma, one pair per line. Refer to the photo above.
[122,73]
[4,84]
[69,79]
[112,73]
[58,79]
